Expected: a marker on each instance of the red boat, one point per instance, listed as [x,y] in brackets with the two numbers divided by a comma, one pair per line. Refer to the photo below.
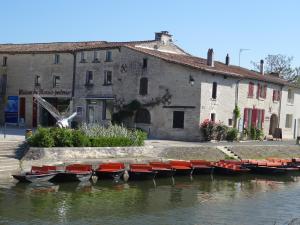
[74,172]
[201,167]
[141,172]
[110,170]
[162,169]
[181,167]
[229,168]
[37,174]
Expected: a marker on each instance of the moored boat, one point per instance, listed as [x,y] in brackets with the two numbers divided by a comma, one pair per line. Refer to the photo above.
[181,167]
[110,170]
[141,172]
[36,175]
[74,172]
[229,168]
[201,166]
[162,169]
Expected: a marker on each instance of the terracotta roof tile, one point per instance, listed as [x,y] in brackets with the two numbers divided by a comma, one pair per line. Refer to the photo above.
[218,68]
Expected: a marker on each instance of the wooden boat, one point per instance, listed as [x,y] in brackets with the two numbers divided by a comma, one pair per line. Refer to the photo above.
[110,170]
[267,170]
[162,169]
[74,172]
[228,168]
[141,172]
[181,167]
[201,166]
[36,175]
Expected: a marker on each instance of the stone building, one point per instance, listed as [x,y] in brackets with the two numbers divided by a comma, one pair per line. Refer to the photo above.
[153,85]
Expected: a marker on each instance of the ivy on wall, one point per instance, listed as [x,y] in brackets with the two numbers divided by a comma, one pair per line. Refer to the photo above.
[125,111]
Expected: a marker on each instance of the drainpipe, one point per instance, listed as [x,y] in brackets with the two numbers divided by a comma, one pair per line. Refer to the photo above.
[237,98]
[73,81]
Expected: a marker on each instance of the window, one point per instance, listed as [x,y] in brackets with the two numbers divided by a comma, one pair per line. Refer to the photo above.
[143,86]
[89,77]
[288,121]
[79,111]
[107,77]
[178,119]
[213,117]
[214,90]
[56,59]
[142,116]
[56,81]
[229,122]
[82,57]
[96,58]
[108,56]
[290,96]
[4,62]
[261,91]
[145,63]
[37,81]
[276,95]
[91,114]
[251,90]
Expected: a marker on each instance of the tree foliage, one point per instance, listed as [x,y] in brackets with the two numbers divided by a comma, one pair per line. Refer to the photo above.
[282,65]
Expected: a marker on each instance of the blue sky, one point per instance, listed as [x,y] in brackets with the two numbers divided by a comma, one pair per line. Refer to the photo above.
[265,27]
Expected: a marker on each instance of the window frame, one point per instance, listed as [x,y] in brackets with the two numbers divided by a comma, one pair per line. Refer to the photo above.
[37,81]
[89,81]
[178,124]
[251,86]
[4,61]
[290,96]
[289,121]
[106,73]
[56,59]
[145,63]
[144,86]
[214,93]
[82,57]
[55,83]
[108,56]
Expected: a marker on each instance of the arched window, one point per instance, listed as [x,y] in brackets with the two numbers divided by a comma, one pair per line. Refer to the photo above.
[143,86]
[142,116]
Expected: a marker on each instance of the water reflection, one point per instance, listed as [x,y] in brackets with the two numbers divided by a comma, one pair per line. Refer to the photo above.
[201,200]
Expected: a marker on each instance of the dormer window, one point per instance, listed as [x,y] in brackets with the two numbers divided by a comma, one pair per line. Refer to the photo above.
[37,81]
[56,59]
[4,62]
[108,57]
[82,57]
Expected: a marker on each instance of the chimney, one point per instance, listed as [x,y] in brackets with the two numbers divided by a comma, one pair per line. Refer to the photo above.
[210,57]
[261,67]
[227,61]
[163,37]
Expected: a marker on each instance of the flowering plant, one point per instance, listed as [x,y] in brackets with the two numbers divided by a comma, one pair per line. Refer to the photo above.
[213,131]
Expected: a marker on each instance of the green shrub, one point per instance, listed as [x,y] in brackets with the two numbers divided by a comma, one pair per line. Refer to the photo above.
[80,139]
[259,134]
[63,137]
[253,133]
[86,136]
[221,131]
[110,141]
[232,134]
[41,138]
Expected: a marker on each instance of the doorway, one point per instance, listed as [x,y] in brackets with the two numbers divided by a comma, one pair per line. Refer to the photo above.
[273,124]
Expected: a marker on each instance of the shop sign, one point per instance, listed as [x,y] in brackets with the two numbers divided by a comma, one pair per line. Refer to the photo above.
[58,92]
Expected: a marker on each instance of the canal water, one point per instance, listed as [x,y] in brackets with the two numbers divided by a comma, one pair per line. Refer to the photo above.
[202,200]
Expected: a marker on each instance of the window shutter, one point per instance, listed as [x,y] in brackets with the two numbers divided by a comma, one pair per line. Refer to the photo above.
[245,117]
[258,90]
[254,117]
[274,95]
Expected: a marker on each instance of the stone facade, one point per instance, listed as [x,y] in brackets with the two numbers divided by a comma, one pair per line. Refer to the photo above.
[102,79]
